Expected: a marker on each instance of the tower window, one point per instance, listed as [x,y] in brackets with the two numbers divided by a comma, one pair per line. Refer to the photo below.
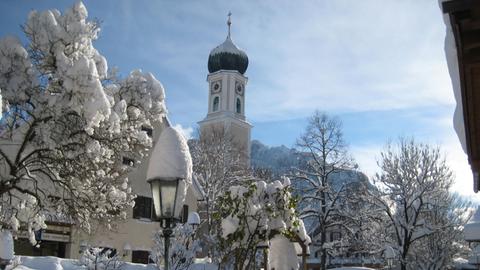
[239,106]
[216,102]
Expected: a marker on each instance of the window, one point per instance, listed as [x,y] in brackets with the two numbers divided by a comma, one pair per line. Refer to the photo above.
[128,161]
[148,130]
[216,102]
[142,208]
[140,256]
[239,106]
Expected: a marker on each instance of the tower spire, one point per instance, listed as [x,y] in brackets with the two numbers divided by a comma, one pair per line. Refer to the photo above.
[229,22]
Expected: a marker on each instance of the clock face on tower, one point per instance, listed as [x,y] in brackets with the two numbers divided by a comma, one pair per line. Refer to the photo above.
[239,88]
[216,87]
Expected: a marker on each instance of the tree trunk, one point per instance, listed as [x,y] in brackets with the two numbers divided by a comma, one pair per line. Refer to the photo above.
[324,251]
[323,229]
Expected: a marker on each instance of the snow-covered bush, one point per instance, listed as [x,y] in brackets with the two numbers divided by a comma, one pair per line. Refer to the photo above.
[95,258]
[182,251]
[257,213]
[68,123]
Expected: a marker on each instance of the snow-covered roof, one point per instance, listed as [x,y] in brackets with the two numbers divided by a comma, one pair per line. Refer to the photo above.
[228,47]
[170,158]
[453,70]
[471,231]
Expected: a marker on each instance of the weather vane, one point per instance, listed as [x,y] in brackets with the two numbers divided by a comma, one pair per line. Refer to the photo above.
[229,22]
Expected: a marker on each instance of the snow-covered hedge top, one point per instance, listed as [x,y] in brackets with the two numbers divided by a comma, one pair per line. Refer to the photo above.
[170,157]
[282,255]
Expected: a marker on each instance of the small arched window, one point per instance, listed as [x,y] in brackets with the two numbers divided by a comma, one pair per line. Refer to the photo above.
[216,102]
[239,106]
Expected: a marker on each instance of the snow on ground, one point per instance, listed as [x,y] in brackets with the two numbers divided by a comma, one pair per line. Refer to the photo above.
[54,263]
[353,268]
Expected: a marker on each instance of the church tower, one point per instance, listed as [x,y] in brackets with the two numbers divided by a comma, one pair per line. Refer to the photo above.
[226,94]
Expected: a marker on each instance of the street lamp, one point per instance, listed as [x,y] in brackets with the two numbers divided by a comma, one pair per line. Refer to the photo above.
[193,220]
[169,174]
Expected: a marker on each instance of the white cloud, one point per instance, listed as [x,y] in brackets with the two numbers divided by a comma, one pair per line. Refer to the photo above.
[309,57]
[367,155]
[186,131]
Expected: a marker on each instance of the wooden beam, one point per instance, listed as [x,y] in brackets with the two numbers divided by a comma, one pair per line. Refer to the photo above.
[468,25]
[458,5]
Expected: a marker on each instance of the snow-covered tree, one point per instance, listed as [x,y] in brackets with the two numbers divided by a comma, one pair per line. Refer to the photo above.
[438,249]
[68,124]
[258,213]
[413,192]
[323,200]
[182,251]
[218,162]
[95,258]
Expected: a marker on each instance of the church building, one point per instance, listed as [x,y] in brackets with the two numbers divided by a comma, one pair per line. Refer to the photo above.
[227,82]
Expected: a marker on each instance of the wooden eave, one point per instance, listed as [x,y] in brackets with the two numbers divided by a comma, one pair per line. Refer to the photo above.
[465,21]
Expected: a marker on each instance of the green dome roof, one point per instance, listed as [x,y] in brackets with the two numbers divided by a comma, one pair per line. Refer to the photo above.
[227,56]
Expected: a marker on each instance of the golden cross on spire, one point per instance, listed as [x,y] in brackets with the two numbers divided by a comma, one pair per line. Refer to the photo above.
[229,22]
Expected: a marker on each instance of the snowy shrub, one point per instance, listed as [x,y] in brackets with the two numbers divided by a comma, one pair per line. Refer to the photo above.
[182,250]
[254,214]
[67,125]
[95,258]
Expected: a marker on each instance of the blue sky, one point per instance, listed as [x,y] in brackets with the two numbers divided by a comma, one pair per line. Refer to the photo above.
[378,65]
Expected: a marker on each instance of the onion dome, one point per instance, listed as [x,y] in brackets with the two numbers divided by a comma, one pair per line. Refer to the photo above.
[227,56]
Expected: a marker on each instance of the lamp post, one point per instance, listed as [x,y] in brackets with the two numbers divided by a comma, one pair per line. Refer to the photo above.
[164,194]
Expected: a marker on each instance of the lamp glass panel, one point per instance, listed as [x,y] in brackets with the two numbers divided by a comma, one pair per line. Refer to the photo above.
[167,196]
[155,185]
